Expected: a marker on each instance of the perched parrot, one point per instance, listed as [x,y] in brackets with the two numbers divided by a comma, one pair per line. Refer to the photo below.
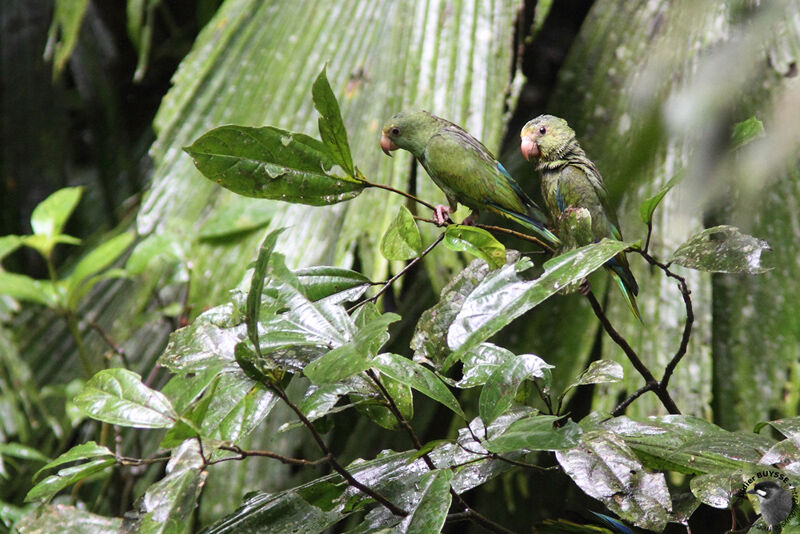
[463,169]
[571,180]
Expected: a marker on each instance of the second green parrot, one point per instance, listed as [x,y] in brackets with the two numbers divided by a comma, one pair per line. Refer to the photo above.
[463,169]
[570,180]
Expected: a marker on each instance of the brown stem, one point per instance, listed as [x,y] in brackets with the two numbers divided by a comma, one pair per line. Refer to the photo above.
[403,271]
[367,183]
[520,235]
[649,379]
[243,453]
[116,348]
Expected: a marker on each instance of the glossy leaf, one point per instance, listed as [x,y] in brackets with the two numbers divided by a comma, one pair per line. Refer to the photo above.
[402,240]
[331,127]
[51,485]
[331,283]
[535,433]
[600,372]
[257,286]
[503,295]
[480,363]
[119,397]
[51,214]
[605,468]
[417,377]
[746,131]
[501,387]
[23,452]
[377,409]
[431,511]
[722,249]
[354,356]
[271,163]
[84,451]
[209,342]
[475,241]
[70,519]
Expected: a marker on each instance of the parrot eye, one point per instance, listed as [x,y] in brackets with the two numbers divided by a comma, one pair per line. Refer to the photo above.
[542,130]
[395,131]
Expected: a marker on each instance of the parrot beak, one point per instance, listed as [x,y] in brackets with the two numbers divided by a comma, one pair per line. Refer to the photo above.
[387,145]
[529,148]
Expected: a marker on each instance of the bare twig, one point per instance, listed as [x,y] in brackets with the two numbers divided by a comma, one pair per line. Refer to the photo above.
[243,453]
[649,379]
[107,338]
[367,183]
[403,271]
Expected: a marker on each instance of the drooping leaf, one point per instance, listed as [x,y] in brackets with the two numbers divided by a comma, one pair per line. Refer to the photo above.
[63,34]
[722,249]
[475,241]
[418,377]
[402,240]
[84,451]
[501,387]
[66,477]
[503,295]
[119,397]
[600,372]
[746,131]
[331,127]
[535,433]
[271,163]
[605,468]
[257,286]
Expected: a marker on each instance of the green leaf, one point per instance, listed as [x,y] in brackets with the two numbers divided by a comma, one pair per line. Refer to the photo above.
[8,244]
[84,451]
[746,131]
[23,287]
[95,261]
[648,207]
[479,363]
[722,249]
[271,163]
[503,295]
[599,372]
[475,241]
[605,468]
[331,127]
[119,397]
[535,433]
[70,519]
[331,283]
[66,477]
[500,389]
[63,34]
[402,240]
[23,452]
[319,400]
[50,215]
[257,286]
[434,503]
[377,409]
[417,377]
[74,298]
[354,356]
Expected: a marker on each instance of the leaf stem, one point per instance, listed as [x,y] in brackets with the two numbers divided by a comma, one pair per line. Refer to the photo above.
[418,200]
[74,329]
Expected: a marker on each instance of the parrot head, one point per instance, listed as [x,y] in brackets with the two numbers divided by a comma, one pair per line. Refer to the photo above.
[409,130]
[546,137]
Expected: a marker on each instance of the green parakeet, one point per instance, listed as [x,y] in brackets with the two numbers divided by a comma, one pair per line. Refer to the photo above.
[571,180]
[463,169]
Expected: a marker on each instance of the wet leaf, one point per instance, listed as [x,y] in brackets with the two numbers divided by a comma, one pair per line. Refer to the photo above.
[331,283]
[257,286]
[417,377]
[605,468]
[535,433]
[503,295]
[271,163]
[69,519]
[431,511]
[716,490]
[501,387]
[377,409]
[722,249]
[354,356]
[51,485]
[84,451]
[319,400]
[209,342]
[600,372]
[119,397]
[480,362]
[475,241]
[331,127]
[402,240]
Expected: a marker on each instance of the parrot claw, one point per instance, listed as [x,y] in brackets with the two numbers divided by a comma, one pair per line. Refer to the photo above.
[470,220]
[585,288]
[441,215]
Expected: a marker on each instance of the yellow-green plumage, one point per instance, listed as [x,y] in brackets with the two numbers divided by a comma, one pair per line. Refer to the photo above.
[463,168]
[571,180]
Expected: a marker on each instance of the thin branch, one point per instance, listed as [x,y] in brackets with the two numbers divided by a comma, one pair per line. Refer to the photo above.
[649,235]
[649,379]
[116,348]
[520,235]
[243,453]
[396,510]
[403,271]
[367,183]
[622,406]
[471,515]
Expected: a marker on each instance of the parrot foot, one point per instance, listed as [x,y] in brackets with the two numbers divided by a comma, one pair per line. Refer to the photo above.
[470,220]
[441,215]
[585,288]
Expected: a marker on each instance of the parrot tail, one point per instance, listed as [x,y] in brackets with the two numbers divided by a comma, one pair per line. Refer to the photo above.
[614,524]
[528,222]
[627,284]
